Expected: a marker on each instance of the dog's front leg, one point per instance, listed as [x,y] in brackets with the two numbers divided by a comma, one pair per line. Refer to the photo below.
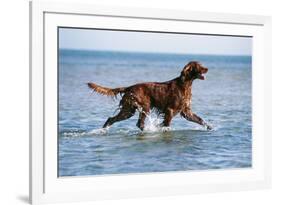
[189,115]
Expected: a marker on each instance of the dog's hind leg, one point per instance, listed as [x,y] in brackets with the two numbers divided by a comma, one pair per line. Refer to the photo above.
[169,114]
[125,113]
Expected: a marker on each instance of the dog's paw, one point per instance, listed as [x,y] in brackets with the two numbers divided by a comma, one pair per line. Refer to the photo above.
[166,129]
[209,127]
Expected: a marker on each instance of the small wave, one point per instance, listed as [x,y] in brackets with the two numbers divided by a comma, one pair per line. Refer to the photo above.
[81,133]
[73,134]
[97,132]
[100,131]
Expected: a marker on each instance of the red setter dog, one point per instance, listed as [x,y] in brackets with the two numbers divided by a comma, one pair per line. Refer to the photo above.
[168,98]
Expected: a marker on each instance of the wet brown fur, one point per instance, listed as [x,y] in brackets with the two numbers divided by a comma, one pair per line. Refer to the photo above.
[168,98]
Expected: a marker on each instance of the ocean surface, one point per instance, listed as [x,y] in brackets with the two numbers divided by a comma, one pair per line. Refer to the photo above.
[223,99]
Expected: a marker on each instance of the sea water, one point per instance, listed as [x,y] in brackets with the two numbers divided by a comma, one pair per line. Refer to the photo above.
[223,100]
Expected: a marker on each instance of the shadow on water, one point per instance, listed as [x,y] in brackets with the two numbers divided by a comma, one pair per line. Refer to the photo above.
[169,136]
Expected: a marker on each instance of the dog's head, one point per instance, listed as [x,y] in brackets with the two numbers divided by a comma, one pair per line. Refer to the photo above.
[193,70]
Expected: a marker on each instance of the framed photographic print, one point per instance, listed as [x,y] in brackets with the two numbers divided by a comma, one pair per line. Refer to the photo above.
[130,102]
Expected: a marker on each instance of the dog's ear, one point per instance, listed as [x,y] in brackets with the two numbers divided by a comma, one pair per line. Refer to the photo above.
[185,73]
[182,77]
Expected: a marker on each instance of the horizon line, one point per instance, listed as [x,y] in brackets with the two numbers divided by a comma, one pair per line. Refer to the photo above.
[153,52]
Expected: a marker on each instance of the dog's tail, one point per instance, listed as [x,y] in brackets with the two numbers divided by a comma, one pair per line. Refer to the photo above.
[106,91]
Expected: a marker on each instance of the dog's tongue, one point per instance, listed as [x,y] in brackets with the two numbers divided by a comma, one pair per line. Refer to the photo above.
[201,77]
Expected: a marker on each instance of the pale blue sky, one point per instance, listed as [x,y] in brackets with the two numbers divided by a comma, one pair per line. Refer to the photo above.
[153,42]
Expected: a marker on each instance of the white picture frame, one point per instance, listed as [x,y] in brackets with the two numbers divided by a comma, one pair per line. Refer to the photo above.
[46,187]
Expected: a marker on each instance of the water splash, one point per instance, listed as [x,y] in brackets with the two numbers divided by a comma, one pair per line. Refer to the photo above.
[153,123]
[152,127]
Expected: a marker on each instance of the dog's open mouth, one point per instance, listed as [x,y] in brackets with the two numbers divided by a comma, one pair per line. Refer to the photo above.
[201,76]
